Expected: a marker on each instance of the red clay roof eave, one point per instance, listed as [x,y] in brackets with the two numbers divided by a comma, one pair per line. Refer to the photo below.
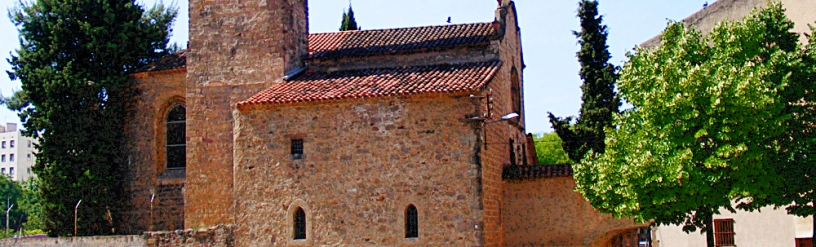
[402,52]
[158,72]
[243,106]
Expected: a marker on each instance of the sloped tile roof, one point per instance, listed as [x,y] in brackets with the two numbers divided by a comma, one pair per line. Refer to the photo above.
[371,42]
[173,61]
[536,172]
[442,78]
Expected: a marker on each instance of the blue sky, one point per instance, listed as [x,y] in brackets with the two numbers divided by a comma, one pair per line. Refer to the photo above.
[551,82]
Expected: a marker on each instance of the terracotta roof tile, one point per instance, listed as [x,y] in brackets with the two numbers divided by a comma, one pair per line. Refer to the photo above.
[443,78]
[173,61]
[536,172]
[370,42]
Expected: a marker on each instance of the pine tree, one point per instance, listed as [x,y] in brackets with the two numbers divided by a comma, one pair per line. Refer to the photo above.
[599,97]
[73,63]
[349,23]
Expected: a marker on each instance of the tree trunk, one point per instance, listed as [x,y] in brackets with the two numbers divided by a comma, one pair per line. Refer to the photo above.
[709,221]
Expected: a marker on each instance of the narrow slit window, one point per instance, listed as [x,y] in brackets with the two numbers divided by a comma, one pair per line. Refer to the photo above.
[411,222]
[11,144]
[176,137]
[297,149]
[300,224]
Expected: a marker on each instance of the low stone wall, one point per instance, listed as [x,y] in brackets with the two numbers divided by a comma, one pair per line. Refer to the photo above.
[217,236]
[124,241]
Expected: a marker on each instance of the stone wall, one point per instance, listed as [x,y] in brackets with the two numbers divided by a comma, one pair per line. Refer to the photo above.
[236,50]
[147,173]
[217,236]
[501,137]
[364,162]
[548,212]
[119,241]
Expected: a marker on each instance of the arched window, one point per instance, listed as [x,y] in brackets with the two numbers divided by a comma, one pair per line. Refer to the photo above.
[411,222]
[515,90]
[176,137]
[300,224]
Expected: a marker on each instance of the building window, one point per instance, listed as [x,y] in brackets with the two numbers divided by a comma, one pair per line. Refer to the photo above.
[300,224]
[176,137]
[512,153]
[3,158]
[724,232]
[11,157]
[28,170]
[28,156]
[515,90]
[3,170]
[11,171]
[297,149]
[411,222]
[11,144]
[29,143]
[4,144]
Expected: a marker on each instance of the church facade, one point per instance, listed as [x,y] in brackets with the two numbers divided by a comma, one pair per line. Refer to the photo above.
[392,137]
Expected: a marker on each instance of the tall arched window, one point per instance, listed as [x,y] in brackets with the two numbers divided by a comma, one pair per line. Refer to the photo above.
[411,222]
[300,224]
[176,135]
[515,90]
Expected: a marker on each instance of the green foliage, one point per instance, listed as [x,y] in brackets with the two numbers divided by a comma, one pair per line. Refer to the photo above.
[348,22]
[549,150]
[73,62]
[31,205]
[711,119]
[599,98]
[11,194]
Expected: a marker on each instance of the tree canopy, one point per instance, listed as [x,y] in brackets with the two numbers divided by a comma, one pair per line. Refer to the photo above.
[549,150]
[711,118]
[599,97]
[348,22]
[73,62]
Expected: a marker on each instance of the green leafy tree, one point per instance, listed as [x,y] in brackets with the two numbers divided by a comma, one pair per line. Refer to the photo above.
[549,150]
[599,97]
[73,62]
[31,204]
[11,194]
[349,23]
[706,124]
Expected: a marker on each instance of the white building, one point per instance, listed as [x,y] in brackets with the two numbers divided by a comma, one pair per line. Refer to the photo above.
[16,153]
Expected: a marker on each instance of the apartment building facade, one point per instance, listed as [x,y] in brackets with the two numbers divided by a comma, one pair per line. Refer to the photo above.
[16,153]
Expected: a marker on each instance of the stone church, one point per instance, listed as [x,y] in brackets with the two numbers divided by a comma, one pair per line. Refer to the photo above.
[394,137]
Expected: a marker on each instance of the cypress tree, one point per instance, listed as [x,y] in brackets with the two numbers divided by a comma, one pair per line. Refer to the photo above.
[349,23]
[73,63]
[599,98]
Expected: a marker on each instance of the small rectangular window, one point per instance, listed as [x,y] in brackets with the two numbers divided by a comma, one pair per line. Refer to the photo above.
[724,232]
[11,144]
[3,158]
[3,170]
[28,156]
[297,149]
[29,143]
[28,170]
[11,171]
[4,144]
[11,157]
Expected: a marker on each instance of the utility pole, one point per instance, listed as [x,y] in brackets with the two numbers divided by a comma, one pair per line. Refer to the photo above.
[7,218]
[75,216]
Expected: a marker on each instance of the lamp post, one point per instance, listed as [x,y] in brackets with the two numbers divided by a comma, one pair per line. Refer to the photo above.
[7,218]
[485,122]
[75,217]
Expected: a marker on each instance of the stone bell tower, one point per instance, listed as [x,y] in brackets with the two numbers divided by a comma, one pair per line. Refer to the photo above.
[237,48]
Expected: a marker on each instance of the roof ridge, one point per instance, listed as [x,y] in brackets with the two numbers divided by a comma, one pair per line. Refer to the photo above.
[403,28]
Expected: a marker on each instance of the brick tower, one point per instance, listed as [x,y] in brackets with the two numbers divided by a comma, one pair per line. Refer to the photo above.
[236,49]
